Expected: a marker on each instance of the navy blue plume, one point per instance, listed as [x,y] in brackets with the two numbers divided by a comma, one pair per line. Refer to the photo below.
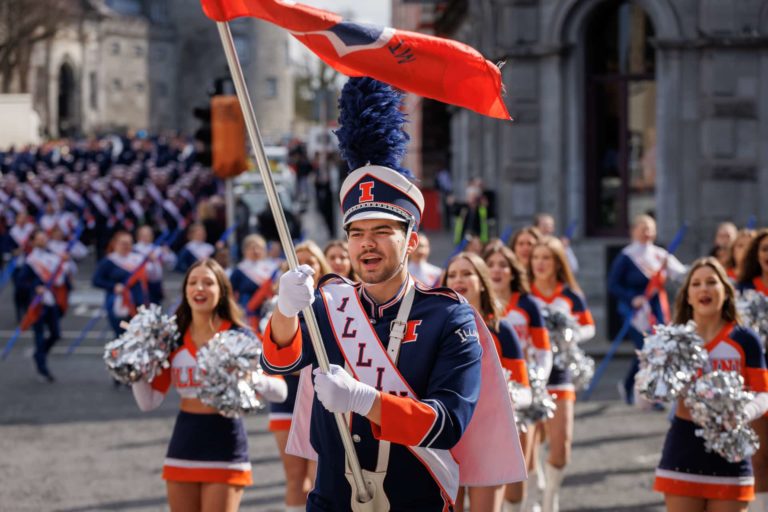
[372,125]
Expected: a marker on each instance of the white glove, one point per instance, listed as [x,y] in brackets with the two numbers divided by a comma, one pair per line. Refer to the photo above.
[271,388]
[296,290]
[338,391]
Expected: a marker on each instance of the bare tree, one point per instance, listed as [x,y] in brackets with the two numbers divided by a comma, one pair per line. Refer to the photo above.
[24,23]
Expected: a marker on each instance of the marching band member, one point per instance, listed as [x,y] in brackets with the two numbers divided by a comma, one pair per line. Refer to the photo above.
[468,275]
[522,243]
[554,286]
[511,285]
[120,275]
[692,478]
[159,257]
[640,271]
[754,275]
[40,266]
[337,255]
[57,244]
[207,464]
[196,248]
[253,271]
[18,242]
[413,385]
[422,269]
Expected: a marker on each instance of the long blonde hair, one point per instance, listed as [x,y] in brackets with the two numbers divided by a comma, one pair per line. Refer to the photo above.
[563,272]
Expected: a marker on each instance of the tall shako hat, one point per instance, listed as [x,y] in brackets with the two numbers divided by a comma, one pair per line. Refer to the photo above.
[373,143]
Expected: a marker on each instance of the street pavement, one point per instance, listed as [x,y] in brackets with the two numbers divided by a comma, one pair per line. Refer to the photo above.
[80,445]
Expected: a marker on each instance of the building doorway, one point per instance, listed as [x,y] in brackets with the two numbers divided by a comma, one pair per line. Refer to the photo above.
[67,124]
[620,121]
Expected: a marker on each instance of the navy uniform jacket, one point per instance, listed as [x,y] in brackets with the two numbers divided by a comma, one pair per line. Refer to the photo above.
[440,360]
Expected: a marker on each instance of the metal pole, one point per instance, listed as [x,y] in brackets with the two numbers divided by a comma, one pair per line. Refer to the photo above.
[229,194]
[257,146]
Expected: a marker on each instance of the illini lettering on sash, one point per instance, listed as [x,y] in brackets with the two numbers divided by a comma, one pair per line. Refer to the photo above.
[362,348]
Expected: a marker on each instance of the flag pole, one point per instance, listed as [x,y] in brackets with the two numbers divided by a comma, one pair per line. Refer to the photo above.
[257,146]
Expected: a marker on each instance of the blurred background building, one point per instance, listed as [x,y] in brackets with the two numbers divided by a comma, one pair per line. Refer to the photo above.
[113,65]
[620,107]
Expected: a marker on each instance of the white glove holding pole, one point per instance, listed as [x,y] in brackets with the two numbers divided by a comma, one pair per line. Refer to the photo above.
[338,391]
[296,290]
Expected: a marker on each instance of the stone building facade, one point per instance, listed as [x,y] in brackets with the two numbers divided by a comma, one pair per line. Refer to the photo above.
[620,107]
[144,65]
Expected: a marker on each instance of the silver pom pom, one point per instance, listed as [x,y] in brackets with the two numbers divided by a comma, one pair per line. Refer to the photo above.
[753,310]
[226,364]
[669,361]
[542,404]
[567,354]
[515,388]
[142,351]
[716,402]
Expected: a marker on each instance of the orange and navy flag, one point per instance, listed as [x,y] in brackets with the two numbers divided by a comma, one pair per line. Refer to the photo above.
[433,67]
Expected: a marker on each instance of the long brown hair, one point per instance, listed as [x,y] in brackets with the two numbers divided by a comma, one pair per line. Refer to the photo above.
[563,272]
[742,233]
[341,244]
[519,281]
[684,311]
[313,249]
[489,304]
[751,268]
[531,230]
[226,309]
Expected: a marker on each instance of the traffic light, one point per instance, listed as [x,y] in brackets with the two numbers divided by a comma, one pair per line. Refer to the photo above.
[204,135]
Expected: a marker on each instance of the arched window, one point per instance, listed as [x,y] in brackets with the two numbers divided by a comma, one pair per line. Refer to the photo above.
[67,123]
[620,117]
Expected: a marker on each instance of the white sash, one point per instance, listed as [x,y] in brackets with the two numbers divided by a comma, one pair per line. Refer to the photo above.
[368,360]
[257,271]
[44,264]
[200,250]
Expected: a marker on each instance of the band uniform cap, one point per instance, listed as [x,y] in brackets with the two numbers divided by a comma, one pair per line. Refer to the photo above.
[377,192]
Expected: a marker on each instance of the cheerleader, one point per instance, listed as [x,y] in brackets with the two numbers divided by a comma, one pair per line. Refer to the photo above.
[522,243]
[418,265]
[738,251]
[468,275]
[299,472]
[254,271]
[510,284]
[123,279]
[692,479]
[337,256]
[160,257]
[636,280]
[554,286]
[196,248]
[206,465]
[754,275]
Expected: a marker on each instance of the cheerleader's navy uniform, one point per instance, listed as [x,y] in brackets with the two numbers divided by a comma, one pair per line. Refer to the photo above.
[281,413]
[112,270]
[524,316]
[686,468]
[207,448]
[560,381]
